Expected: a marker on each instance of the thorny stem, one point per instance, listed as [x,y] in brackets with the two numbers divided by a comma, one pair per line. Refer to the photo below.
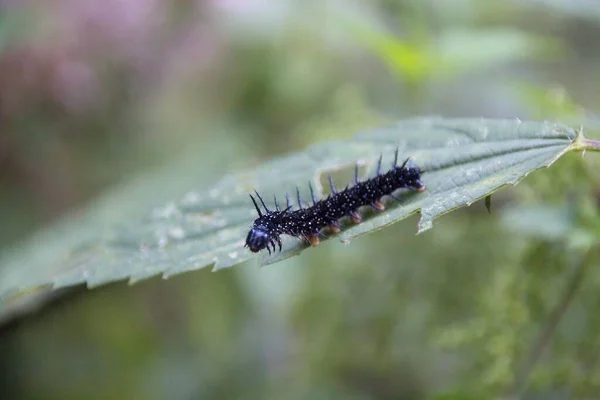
[539,345]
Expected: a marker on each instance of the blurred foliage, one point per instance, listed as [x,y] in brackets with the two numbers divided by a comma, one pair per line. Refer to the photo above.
[478,307]
[452,52]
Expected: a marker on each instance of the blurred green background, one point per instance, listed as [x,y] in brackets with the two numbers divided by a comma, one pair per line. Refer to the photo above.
[97,94]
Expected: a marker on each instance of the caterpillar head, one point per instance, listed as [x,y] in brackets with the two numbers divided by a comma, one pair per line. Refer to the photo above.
[410,175]
[258,238]
[263,234]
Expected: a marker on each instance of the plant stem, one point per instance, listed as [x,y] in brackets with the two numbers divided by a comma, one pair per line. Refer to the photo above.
[584,144]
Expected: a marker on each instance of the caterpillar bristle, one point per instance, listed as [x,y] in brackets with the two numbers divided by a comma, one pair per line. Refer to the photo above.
[262,202]
[333,189]
[299,199]
[288,203]
[312,193]
[256,207]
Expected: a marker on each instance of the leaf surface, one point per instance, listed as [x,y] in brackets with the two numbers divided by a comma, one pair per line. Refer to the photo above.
[463,160]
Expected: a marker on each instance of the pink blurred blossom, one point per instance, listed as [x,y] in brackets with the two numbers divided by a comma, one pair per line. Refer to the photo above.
[84,41]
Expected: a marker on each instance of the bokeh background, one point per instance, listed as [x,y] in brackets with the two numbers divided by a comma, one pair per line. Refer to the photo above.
[100,96]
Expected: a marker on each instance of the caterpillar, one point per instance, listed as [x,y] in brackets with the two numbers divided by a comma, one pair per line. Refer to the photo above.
[307,223]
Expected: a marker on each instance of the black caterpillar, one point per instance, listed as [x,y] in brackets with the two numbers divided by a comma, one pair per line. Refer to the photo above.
[306,223]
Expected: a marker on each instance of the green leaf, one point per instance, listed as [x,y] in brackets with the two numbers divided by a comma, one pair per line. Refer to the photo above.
[453,51]
[463,160]
[409,59]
